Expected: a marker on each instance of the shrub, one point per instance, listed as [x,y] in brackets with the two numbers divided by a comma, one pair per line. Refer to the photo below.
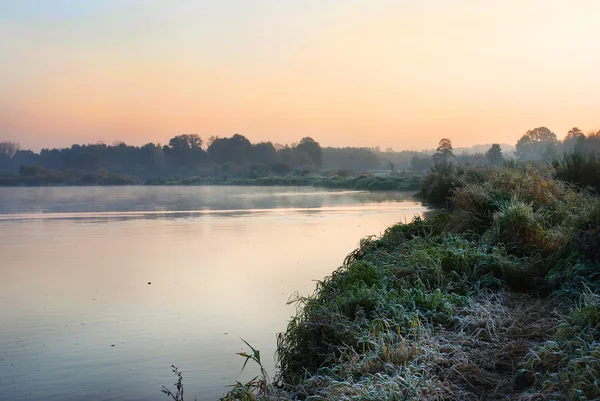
[580,169]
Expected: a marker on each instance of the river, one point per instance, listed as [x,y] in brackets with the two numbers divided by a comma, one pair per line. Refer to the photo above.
[102,289]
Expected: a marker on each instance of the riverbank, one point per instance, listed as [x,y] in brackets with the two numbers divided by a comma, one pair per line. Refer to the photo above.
[391,182]
[498,298]
[399,182]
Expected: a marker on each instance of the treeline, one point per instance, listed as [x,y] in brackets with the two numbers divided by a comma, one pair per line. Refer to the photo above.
[190,156]
[187,156]
[541,144]
[536,145]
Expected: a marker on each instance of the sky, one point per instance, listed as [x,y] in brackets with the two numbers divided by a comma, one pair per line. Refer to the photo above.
[399,74]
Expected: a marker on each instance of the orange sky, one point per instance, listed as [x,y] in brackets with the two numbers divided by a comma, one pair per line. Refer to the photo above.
[398,74]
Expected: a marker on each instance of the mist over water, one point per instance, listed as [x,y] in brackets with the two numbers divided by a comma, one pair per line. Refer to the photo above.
[80,320]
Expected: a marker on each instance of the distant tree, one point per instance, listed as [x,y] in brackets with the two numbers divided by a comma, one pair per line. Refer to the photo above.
[313,149]
[151,158]
[362,159]
[281,168]
[285,154]
[237,149]
[574,141]
[51,158]
[8,148]
[592,142]
[186,142]
[443,152]
[121,158]
[391,166]
[211,139]
[421,162]
[26,157]
[494,155]
[265,153]
[536,144]
[6,163]
[470,159]
[185,151]
[550,151]
[303,161]
[574,133]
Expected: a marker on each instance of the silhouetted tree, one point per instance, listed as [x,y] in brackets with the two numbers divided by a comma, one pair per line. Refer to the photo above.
[444,152]
[9,149]
[186,151]
[265,153]
[536,144]
[592,142]
[152,159]
[574,141]
[494,155]
[285,154]
[313,149]
[236,149]
[186,142]
[51,158]
[26,157]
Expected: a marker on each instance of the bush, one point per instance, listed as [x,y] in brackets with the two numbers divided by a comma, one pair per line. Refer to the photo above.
[444,179]
[579,169]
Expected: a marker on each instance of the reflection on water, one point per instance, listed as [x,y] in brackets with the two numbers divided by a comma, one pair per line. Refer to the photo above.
[80,320]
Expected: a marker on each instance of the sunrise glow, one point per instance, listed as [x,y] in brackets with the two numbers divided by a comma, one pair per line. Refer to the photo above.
[384,73]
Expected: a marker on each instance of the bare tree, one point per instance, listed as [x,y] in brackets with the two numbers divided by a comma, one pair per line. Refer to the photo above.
[8,148]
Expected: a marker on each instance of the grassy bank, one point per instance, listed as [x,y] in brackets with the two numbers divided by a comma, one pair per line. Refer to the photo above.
[397,182]
[497,297]
[34,176]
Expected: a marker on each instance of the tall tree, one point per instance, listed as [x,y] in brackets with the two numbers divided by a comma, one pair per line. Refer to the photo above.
[236,149]
[574,141]
[494,155]
[265,153]
[151,158]
[313,149]
[186,151]
[187,142]
[536,144]
[9,148]
[444,152]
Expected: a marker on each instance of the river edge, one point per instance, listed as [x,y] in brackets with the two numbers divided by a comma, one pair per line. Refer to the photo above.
[397,182]
[494,299]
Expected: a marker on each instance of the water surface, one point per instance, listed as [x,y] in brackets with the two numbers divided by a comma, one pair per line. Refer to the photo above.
[102,289]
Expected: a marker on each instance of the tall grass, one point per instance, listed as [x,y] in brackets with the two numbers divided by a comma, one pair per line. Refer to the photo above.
[494,298]
[580,169]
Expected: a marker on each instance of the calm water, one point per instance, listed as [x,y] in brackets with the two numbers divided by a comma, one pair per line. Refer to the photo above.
[80,321]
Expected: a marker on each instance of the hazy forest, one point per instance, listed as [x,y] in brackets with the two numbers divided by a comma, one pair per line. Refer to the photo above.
[189,156]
